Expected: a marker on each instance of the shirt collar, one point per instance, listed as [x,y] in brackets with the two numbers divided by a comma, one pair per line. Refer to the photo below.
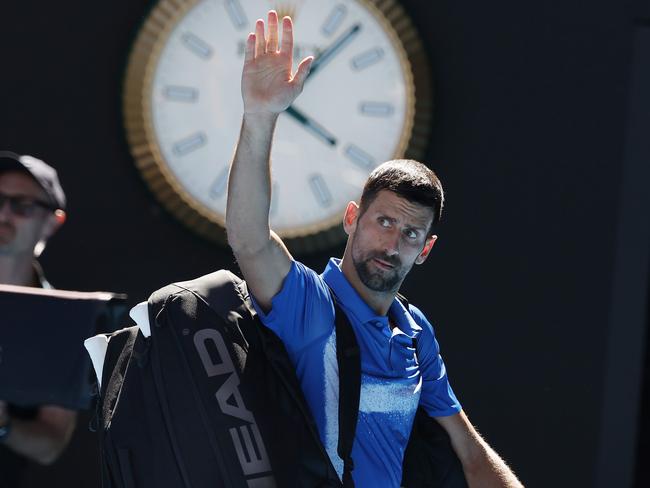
[354,304]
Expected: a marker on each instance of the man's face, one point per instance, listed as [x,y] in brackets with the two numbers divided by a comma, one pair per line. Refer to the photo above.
[19,234]
[388,239]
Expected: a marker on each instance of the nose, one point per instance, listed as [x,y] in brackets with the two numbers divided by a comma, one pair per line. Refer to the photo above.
[5,211]
[391,244]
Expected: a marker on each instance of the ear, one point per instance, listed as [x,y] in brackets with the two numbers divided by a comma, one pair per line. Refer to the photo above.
[424,254]
[350,217]
[50,226]
[60,217]
[53,223]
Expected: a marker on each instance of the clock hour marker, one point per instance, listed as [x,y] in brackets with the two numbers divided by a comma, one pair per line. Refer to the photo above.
[218,187]
[376,109]
[180,93]
[197,45]
[334,20]
[367,58]
[236,13]
[320,190]
[359,157]
[189,144]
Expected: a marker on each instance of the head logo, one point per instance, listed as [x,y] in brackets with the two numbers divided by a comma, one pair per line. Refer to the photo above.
[246,438]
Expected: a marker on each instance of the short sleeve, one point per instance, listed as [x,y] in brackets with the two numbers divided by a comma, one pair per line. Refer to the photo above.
[302,311]
[437,398]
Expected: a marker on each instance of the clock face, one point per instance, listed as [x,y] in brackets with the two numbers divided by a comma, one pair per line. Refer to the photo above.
[183,108]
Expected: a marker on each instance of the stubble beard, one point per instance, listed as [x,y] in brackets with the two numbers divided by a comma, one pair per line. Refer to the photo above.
[376,279]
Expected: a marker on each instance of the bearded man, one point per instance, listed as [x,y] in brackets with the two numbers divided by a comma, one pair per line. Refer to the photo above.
[389,230]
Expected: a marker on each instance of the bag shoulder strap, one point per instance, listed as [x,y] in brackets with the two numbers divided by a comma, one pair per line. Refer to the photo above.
[118,356]
[348,358]
[404,301]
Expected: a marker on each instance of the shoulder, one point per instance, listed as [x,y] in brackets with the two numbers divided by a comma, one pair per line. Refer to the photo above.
[305,286]
[421,320]
[427,341]
[300,284]
[302,310]
[302,270]
[301,279]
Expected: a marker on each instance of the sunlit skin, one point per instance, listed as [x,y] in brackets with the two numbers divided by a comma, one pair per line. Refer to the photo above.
[383,245]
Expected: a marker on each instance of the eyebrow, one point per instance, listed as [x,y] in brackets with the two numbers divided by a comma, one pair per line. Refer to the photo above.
[419,227]
[416,228]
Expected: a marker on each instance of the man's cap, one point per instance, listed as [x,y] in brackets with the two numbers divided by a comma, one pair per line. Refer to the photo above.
[44,174]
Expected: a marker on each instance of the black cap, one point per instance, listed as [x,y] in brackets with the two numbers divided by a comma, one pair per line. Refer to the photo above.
[44,174]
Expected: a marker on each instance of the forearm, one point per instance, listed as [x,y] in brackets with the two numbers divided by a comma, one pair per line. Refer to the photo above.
[484,468]
[44,438]
[268,88]
[249,185]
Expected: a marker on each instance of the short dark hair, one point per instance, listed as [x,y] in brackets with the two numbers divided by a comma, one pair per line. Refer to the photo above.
[408,179]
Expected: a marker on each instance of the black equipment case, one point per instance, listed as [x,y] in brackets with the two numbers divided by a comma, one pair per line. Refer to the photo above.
[211,399]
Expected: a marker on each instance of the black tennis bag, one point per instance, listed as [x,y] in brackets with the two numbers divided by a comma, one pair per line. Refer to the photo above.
[211,399]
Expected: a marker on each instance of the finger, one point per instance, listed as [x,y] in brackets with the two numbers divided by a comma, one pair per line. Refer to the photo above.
[272,44]
[249,53]
[260,42]
[302,72]
[287,36]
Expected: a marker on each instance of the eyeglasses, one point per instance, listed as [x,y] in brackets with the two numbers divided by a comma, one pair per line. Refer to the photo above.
[23,206]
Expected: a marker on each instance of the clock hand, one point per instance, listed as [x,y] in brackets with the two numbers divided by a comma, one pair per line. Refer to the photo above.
[325,56]
[311,125]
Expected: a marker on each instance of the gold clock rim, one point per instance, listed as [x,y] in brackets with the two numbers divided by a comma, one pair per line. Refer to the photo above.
[145,146]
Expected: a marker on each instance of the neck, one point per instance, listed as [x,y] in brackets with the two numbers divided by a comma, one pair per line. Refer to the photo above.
[378,301]
[16,270]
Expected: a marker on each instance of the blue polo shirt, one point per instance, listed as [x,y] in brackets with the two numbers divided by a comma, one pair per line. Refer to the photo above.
[393,380]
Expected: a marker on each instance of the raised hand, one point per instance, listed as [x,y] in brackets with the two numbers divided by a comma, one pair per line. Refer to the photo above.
[268,84]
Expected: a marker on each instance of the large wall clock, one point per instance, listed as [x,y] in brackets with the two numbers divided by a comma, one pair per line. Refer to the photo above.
[368,101]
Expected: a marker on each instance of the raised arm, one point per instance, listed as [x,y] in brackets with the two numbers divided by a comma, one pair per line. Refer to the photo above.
[268,88]
[482,466]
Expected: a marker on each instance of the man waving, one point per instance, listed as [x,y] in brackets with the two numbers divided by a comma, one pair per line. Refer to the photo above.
[389,230]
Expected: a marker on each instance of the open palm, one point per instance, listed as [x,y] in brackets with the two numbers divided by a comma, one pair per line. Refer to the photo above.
[268,84]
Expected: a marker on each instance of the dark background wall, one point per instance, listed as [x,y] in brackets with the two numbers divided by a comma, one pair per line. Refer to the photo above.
[530,135]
